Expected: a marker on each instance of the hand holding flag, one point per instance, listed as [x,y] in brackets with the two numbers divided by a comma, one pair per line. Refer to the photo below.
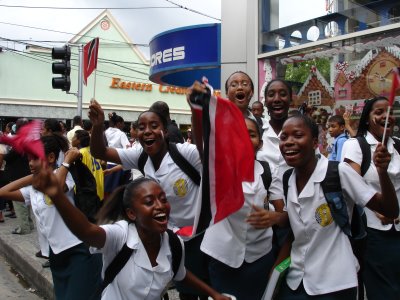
[395,87]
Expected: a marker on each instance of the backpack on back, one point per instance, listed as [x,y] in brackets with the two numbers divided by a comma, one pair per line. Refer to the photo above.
[180,161]
[125,253]
[356,229]
[85,195]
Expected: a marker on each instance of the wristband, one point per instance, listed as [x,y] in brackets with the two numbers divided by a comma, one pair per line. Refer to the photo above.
[65,165]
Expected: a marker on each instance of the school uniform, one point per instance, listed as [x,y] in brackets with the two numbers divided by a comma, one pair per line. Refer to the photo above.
[241,255]
[337,147]
[115,139]
[382,260]
[270,151]
[183,195]
[138,279]
[75,272]
[322,260]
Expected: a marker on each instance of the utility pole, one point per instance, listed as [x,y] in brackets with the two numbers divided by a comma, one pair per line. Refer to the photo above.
[80,81]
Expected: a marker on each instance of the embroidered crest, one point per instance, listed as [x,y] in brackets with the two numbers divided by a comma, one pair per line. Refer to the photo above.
[323,215]
[48,201]
[181,187]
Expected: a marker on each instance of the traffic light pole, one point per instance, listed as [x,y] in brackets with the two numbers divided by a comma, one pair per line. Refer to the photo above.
[80,81]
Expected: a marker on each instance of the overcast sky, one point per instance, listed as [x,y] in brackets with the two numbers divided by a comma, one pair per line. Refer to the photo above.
[140,24]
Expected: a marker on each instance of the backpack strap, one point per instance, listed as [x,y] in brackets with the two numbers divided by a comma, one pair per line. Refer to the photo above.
[366,153]
[285,182]
[142,161]
[396,144]
[266,176]
[176,250]
[180,161]
[183,164]
[334,197]
[114,268]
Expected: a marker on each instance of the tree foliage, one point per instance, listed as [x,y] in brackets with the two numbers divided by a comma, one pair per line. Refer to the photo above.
[298,72]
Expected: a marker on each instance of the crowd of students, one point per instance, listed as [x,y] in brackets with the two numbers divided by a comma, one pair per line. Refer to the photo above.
[287,217]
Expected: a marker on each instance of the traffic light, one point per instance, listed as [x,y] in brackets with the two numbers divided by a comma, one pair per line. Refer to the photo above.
[62,67]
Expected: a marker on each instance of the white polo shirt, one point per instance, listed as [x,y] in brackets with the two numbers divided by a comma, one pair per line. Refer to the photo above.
[351,150]
[270,151]
[182,193]
[116,138]
[232,240]
[48,219]
[321,254]
[137,279]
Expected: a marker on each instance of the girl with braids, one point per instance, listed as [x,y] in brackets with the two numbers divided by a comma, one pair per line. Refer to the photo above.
[75,272]
[116,138]
[182,193]
[381,272]
[142,210]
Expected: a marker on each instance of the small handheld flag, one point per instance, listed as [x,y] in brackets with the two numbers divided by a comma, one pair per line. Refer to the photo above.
[90,51]
[395,87]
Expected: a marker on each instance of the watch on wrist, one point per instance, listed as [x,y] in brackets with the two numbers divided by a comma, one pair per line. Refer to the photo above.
[65,164]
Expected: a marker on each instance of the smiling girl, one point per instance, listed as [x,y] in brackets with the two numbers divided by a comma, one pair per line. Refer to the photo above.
[143,211]
[382,261]
[182,193]
[322,261]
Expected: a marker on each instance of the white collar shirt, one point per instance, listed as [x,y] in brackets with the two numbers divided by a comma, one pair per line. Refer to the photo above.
[116,138]
[352,151]
[182,193]
[321,254]
[71,133]
[270,151]
[233,241]
[48,219]
[138,279]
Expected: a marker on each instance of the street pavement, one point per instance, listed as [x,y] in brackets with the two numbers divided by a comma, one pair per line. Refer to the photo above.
[19,251]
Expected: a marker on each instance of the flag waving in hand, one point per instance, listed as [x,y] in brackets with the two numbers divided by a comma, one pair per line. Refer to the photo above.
[90,51]
[395,87]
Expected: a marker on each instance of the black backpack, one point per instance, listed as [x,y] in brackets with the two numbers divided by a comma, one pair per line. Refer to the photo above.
[356,229]
[125,253]
[85,196]
[180,161]
[366,152]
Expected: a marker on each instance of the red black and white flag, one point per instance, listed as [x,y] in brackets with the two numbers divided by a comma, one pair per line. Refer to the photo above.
[228,160]
[90,51]
[27,140]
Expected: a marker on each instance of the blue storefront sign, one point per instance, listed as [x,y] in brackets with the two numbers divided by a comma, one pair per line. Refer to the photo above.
[181,56]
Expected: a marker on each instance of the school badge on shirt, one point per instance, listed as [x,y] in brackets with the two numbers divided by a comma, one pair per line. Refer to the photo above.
[323,215]
[47,200]
[181,187]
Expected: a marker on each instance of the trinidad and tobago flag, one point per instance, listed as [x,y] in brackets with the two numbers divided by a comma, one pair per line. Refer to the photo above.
[228,159]
[27,140]
[90,51]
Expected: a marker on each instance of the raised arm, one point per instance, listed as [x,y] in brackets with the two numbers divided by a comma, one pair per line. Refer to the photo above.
[47,182]
[11,190]
[98,146]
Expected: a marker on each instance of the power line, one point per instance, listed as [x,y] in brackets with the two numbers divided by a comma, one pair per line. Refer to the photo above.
[85,8]
[194,11]
[63,32]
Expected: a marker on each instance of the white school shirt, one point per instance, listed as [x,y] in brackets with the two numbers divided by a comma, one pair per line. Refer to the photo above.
[321,254]
[182,193]
[137,279]
[116,139]
[351,150]
[48,219]
[270,151]
[232,240]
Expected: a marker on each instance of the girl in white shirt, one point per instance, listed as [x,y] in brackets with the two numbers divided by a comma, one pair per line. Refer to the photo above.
[75,271]
[183,194]
[240,246]
[143,207]
[322,261]
[381,271]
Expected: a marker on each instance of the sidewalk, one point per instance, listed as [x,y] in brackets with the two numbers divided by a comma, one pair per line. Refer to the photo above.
[20,251]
